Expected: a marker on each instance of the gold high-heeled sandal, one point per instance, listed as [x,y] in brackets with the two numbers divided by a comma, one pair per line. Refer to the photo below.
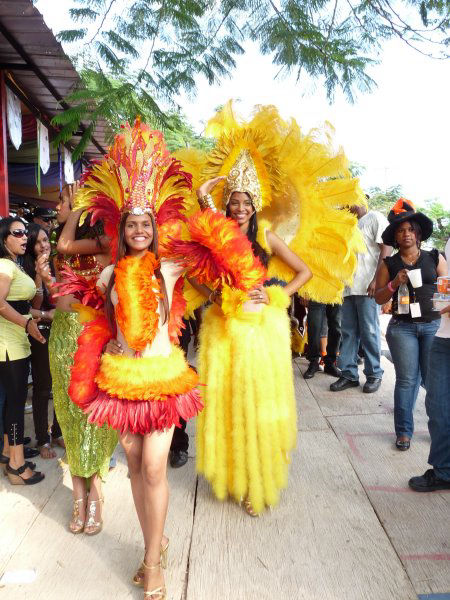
[138,578]
[159,593]
[94,526]
[76,524]
[164,555]
[248,507]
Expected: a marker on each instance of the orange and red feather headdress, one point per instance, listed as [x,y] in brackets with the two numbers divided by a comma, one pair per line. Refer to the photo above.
[138,175]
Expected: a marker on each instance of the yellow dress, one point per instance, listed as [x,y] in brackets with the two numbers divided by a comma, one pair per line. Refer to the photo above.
[248,425]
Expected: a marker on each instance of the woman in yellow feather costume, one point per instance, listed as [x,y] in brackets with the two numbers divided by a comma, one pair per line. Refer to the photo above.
[298,186]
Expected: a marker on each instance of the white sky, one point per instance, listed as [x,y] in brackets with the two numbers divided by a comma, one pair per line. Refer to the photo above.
[400,132]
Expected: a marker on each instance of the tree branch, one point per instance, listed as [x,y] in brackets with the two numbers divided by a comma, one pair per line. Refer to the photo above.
[101,24]
[153,43]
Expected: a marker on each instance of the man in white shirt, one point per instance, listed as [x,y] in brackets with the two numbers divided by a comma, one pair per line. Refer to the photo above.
[437,403]
[360,324]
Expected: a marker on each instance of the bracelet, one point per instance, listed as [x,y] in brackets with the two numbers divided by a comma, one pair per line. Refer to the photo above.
[42,314]
[206,201]
[390,287]
[27,323]
[39,291]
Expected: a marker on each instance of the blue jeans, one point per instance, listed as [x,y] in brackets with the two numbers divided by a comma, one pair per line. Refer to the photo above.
[437,403]
[410,345]
[360,325]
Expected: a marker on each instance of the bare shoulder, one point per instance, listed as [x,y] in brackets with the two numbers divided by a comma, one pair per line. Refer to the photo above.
[105,276]
[170,268]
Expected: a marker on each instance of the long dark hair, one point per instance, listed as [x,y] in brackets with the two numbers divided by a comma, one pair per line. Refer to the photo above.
[122,251]
[29,258]
[5,225]
[252,234]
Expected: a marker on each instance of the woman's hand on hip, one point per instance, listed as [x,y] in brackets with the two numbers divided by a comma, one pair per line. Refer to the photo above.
[259,295]
[113,347]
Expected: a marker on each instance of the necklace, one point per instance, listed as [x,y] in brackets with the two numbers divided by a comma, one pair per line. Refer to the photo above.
[410,263]
[18,265]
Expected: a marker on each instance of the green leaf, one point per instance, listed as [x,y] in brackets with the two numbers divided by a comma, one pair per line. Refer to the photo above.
[71,35]
[83,14]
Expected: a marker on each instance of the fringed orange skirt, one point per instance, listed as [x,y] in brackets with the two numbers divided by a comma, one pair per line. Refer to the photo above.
[141,395]
[136,394]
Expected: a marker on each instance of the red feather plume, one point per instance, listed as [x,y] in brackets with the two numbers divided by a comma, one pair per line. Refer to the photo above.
[84,290]
[218,253]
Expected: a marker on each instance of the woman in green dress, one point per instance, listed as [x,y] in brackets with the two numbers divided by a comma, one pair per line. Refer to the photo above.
[89,448]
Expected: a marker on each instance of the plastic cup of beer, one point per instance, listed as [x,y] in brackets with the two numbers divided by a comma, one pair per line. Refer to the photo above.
[443,285]
[415,277]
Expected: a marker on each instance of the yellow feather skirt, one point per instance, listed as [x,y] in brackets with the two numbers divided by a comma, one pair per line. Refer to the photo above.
[248,426]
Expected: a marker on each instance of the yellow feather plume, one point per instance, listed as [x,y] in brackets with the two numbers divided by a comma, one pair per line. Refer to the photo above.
[305,184]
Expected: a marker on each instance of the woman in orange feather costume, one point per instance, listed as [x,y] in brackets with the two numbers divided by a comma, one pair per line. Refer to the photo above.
[128,373]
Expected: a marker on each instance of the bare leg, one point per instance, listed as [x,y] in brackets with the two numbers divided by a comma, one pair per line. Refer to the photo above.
[132,444]
[155,451]
[94,503]
[79,511]
[5,445]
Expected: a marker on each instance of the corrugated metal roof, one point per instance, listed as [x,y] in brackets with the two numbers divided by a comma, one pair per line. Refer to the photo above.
[37,66]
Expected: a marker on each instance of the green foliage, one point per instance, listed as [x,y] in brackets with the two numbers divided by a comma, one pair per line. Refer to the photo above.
[441,222]
[180,134]
[356,169]
[154,50]
[384,200]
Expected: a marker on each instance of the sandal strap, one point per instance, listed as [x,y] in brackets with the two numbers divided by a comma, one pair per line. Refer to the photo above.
[151,567]
[160,592]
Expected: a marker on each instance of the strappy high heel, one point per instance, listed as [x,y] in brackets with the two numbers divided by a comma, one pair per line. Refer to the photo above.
[15,475]
[76,524]
[95,526]
[4,460]
[158,593]
[138,578]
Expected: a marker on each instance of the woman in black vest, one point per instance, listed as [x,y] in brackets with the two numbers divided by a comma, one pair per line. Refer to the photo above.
[414,322]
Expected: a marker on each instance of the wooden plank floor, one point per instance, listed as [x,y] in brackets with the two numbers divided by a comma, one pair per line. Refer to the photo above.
[347,527]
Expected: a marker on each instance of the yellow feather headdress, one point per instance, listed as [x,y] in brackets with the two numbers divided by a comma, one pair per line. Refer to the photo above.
[303,183]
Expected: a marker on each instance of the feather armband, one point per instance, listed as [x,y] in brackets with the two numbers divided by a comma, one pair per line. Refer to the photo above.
[85,290]
[278,297]
[218,253]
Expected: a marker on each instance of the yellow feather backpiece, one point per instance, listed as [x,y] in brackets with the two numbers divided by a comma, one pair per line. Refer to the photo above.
[305,183]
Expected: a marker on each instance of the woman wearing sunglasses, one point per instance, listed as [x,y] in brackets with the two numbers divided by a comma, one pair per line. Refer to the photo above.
[38,248]
[17,290]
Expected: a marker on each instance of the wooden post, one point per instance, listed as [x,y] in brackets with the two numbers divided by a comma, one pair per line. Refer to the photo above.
[4,190]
